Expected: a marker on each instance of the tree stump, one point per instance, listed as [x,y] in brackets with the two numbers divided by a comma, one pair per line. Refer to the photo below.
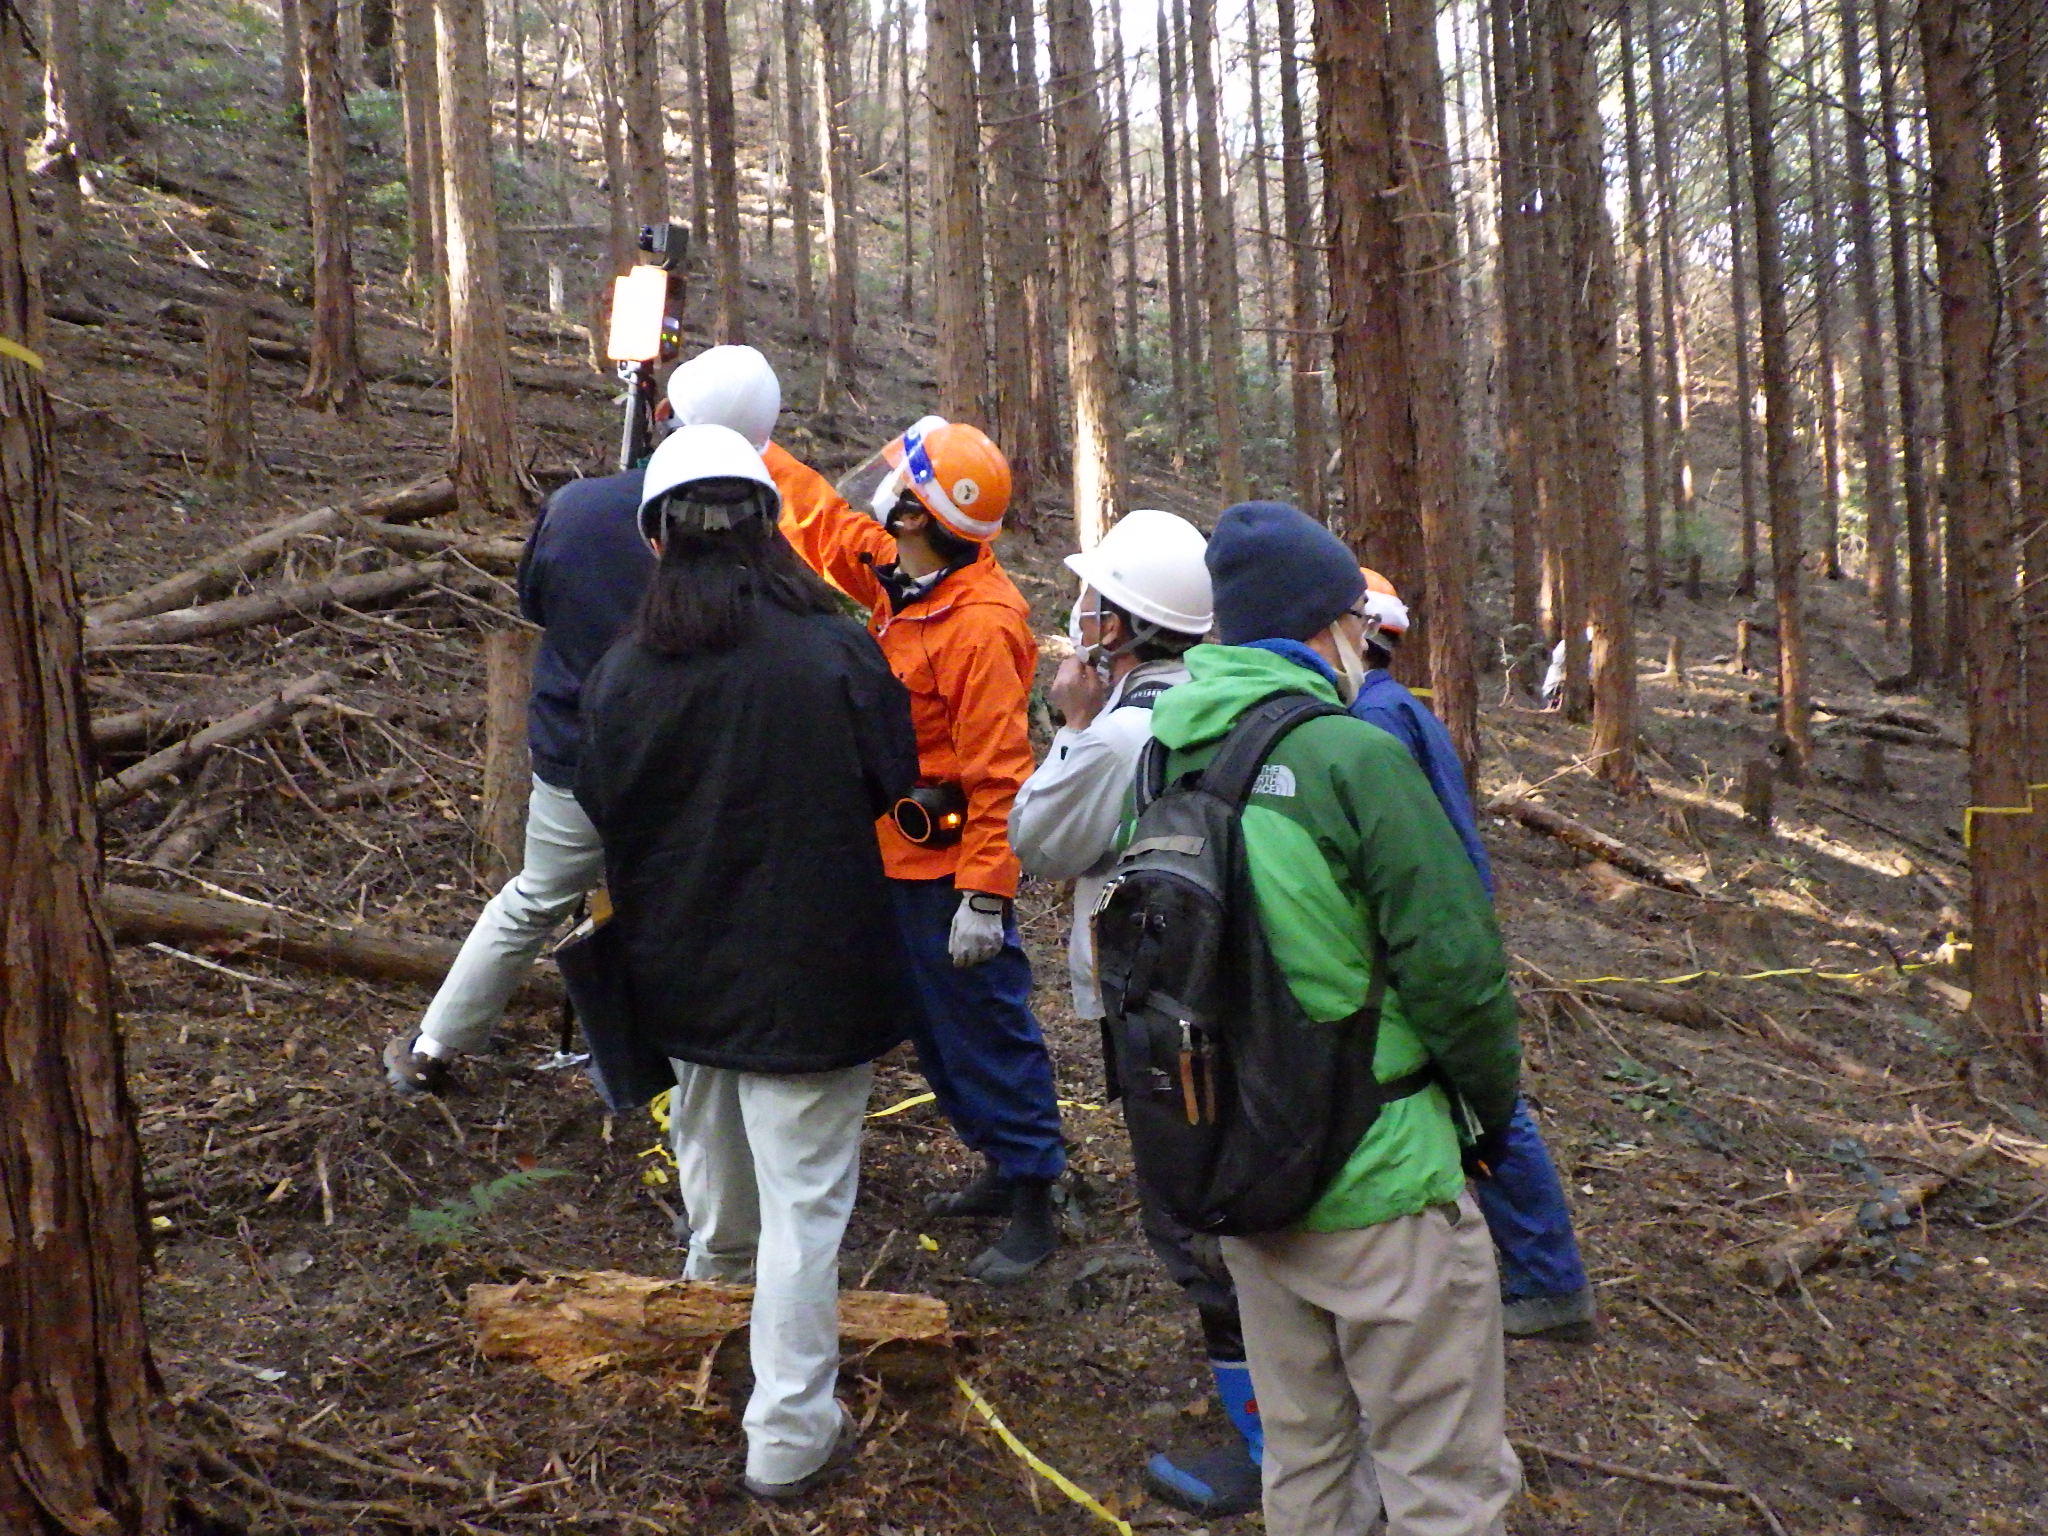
[1758,777]
[501,829]
[1744,634]
[1870,774]
[229,433]
[1693,585]
[1674,661]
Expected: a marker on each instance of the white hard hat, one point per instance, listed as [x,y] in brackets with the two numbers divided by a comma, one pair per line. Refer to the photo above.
[727,387]
[1150,565]
[691,456]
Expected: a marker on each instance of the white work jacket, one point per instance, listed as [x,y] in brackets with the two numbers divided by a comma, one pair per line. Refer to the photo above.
[1063,825]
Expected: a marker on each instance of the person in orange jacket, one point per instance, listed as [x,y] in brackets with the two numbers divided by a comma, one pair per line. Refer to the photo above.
[956,632]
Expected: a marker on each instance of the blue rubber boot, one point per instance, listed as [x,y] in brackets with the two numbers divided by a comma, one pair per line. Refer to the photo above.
[1217,1480]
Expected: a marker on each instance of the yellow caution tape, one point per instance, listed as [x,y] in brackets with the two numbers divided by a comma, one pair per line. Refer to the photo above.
[1036,1463]
[1972,812]
[1796,970]
[896,1109]
[9,347]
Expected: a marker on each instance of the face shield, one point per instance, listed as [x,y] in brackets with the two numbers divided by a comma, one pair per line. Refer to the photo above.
[874,485]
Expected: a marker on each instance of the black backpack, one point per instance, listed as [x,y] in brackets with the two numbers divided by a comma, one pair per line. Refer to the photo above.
[1241,1108]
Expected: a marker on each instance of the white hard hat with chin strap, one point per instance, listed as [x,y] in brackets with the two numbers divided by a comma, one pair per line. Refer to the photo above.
[705,479]
[1150,564]
[732,387]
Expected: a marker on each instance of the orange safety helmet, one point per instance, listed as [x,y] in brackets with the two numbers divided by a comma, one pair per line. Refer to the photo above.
[1383,604]
[957,474]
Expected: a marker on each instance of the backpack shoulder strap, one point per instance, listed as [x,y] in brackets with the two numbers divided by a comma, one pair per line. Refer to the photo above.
[1235,767]
[1144,696]
[1151,778]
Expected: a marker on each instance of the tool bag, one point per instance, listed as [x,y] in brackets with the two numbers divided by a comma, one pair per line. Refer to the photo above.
[1241,1108]
[625,1069]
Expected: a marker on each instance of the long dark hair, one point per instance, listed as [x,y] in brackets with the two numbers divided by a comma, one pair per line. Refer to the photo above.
[708,587]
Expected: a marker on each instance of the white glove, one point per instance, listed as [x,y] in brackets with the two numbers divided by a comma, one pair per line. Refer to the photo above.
[977,928]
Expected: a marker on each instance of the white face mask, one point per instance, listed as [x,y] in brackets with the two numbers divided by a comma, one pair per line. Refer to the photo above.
[1351,668]
[1091,655]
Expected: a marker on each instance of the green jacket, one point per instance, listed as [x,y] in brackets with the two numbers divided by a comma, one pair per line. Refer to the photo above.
[1343,836]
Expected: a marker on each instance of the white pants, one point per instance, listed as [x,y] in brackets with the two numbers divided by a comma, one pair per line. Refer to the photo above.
[1382,1343]
[767,1166]
[564,862]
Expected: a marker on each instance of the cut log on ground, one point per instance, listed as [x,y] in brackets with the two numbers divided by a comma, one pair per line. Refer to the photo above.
[259,717]
[364,591]
[132,730]
[1780,1265]
[493,554]
[1597,845]
[580,1324]
[138,916]
[408,504]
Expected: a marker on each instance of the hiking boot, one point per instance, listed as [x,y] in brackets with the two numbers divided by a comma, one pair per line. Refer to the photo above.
[989,1195]
[1027,1242]
[1566,1319]
[1210,1484]
[412,1072]
[836,1461]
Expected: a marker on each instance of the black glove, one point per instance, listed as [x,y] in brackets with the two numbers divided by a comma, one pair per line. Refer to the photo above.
[1487,1153]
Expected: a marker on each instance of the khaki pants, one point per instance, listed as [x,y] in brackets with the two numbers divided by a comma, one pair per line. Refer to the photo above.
[1384,1343]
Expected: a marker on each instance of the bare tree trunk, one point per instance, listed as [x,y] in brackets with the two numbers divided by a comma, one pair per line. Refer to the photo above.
[76,1447]
[842,193]
[1738,290]
[1179,321]
[909,302]
[1050,450]
[955,142]
[334,377]
[1304,276]
[611,125]
[1596,439]
[1011,250]
[1781,444]
[1219,256]
[692,14]
[291,83]
[70,128]
[1092,375]
[488,475]
[1921,577]
[797,145]
[646,136]
[1677,318]
[1269,309]
[425,210]
[2005,948]
[721,129]
[1826,359]
[1646,342]
[227,391]
[1120,75]
[1517,351]
[1881,575]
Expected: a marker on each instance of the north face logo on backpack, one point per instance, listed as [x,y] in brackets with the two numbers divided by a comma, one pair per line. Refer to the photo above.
[1275,779]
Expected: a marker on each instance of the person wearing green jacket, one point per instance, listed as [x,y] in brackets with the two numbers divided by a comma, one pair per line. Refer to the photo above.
[1373,1328]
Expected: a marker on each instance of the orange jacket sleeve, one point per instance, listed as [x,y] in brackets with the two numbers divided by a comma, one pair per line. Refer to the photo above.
[984,671]
[828,534]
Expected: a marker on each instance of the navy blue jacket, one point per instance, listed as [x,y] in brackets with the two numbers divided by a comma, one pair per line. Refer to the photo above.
[580,580]
[1385,703]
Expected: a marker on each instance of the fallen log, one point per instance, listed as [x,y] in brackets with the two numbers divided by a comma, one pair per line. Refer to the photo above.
[364,591]
[1594,844]
[259,717]
[1658,1003]
[1780,1265]
[220,572]
[493,554]
[137,916]
[580,1324]
[134,729]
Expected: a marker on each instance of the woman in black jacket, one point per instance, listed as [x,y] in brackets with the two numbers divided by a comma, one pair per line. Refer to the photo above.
[740,743]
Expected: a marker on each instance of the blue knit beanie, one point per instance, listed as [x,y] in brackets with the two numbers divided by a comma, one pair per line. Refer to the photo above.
[1278,574]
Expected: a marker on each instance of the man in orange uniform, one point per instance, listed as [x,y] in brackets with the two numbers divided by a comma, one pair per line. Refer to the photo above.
[957,634]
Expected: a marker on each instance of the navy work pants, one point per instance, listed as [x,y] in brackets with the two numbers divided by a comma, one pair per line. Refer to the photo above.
[978,1042]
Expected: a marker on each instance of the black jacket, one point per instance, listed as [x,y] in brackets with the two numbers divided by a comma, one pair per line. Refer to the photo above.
[580,579]
[736,796]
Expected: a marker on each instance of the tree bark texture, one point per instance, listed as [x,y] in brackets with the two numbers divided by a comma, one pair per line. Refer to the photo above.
[75,1449]
[1781,442]
[1676,467]
[1304,274]
[646,136]
[425,199]
[488,475]
[1732,133]
[1647,413]
[291,83]
[957,287]
[842,189]
[1219,256]
[2005,959]
[1179,323]
[1517,347]
[229,450]
[1874,419]
[1092,376]
[1012,253]
[501,821]
[796,77]
[722,129]
[334,377]
[1824,243]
